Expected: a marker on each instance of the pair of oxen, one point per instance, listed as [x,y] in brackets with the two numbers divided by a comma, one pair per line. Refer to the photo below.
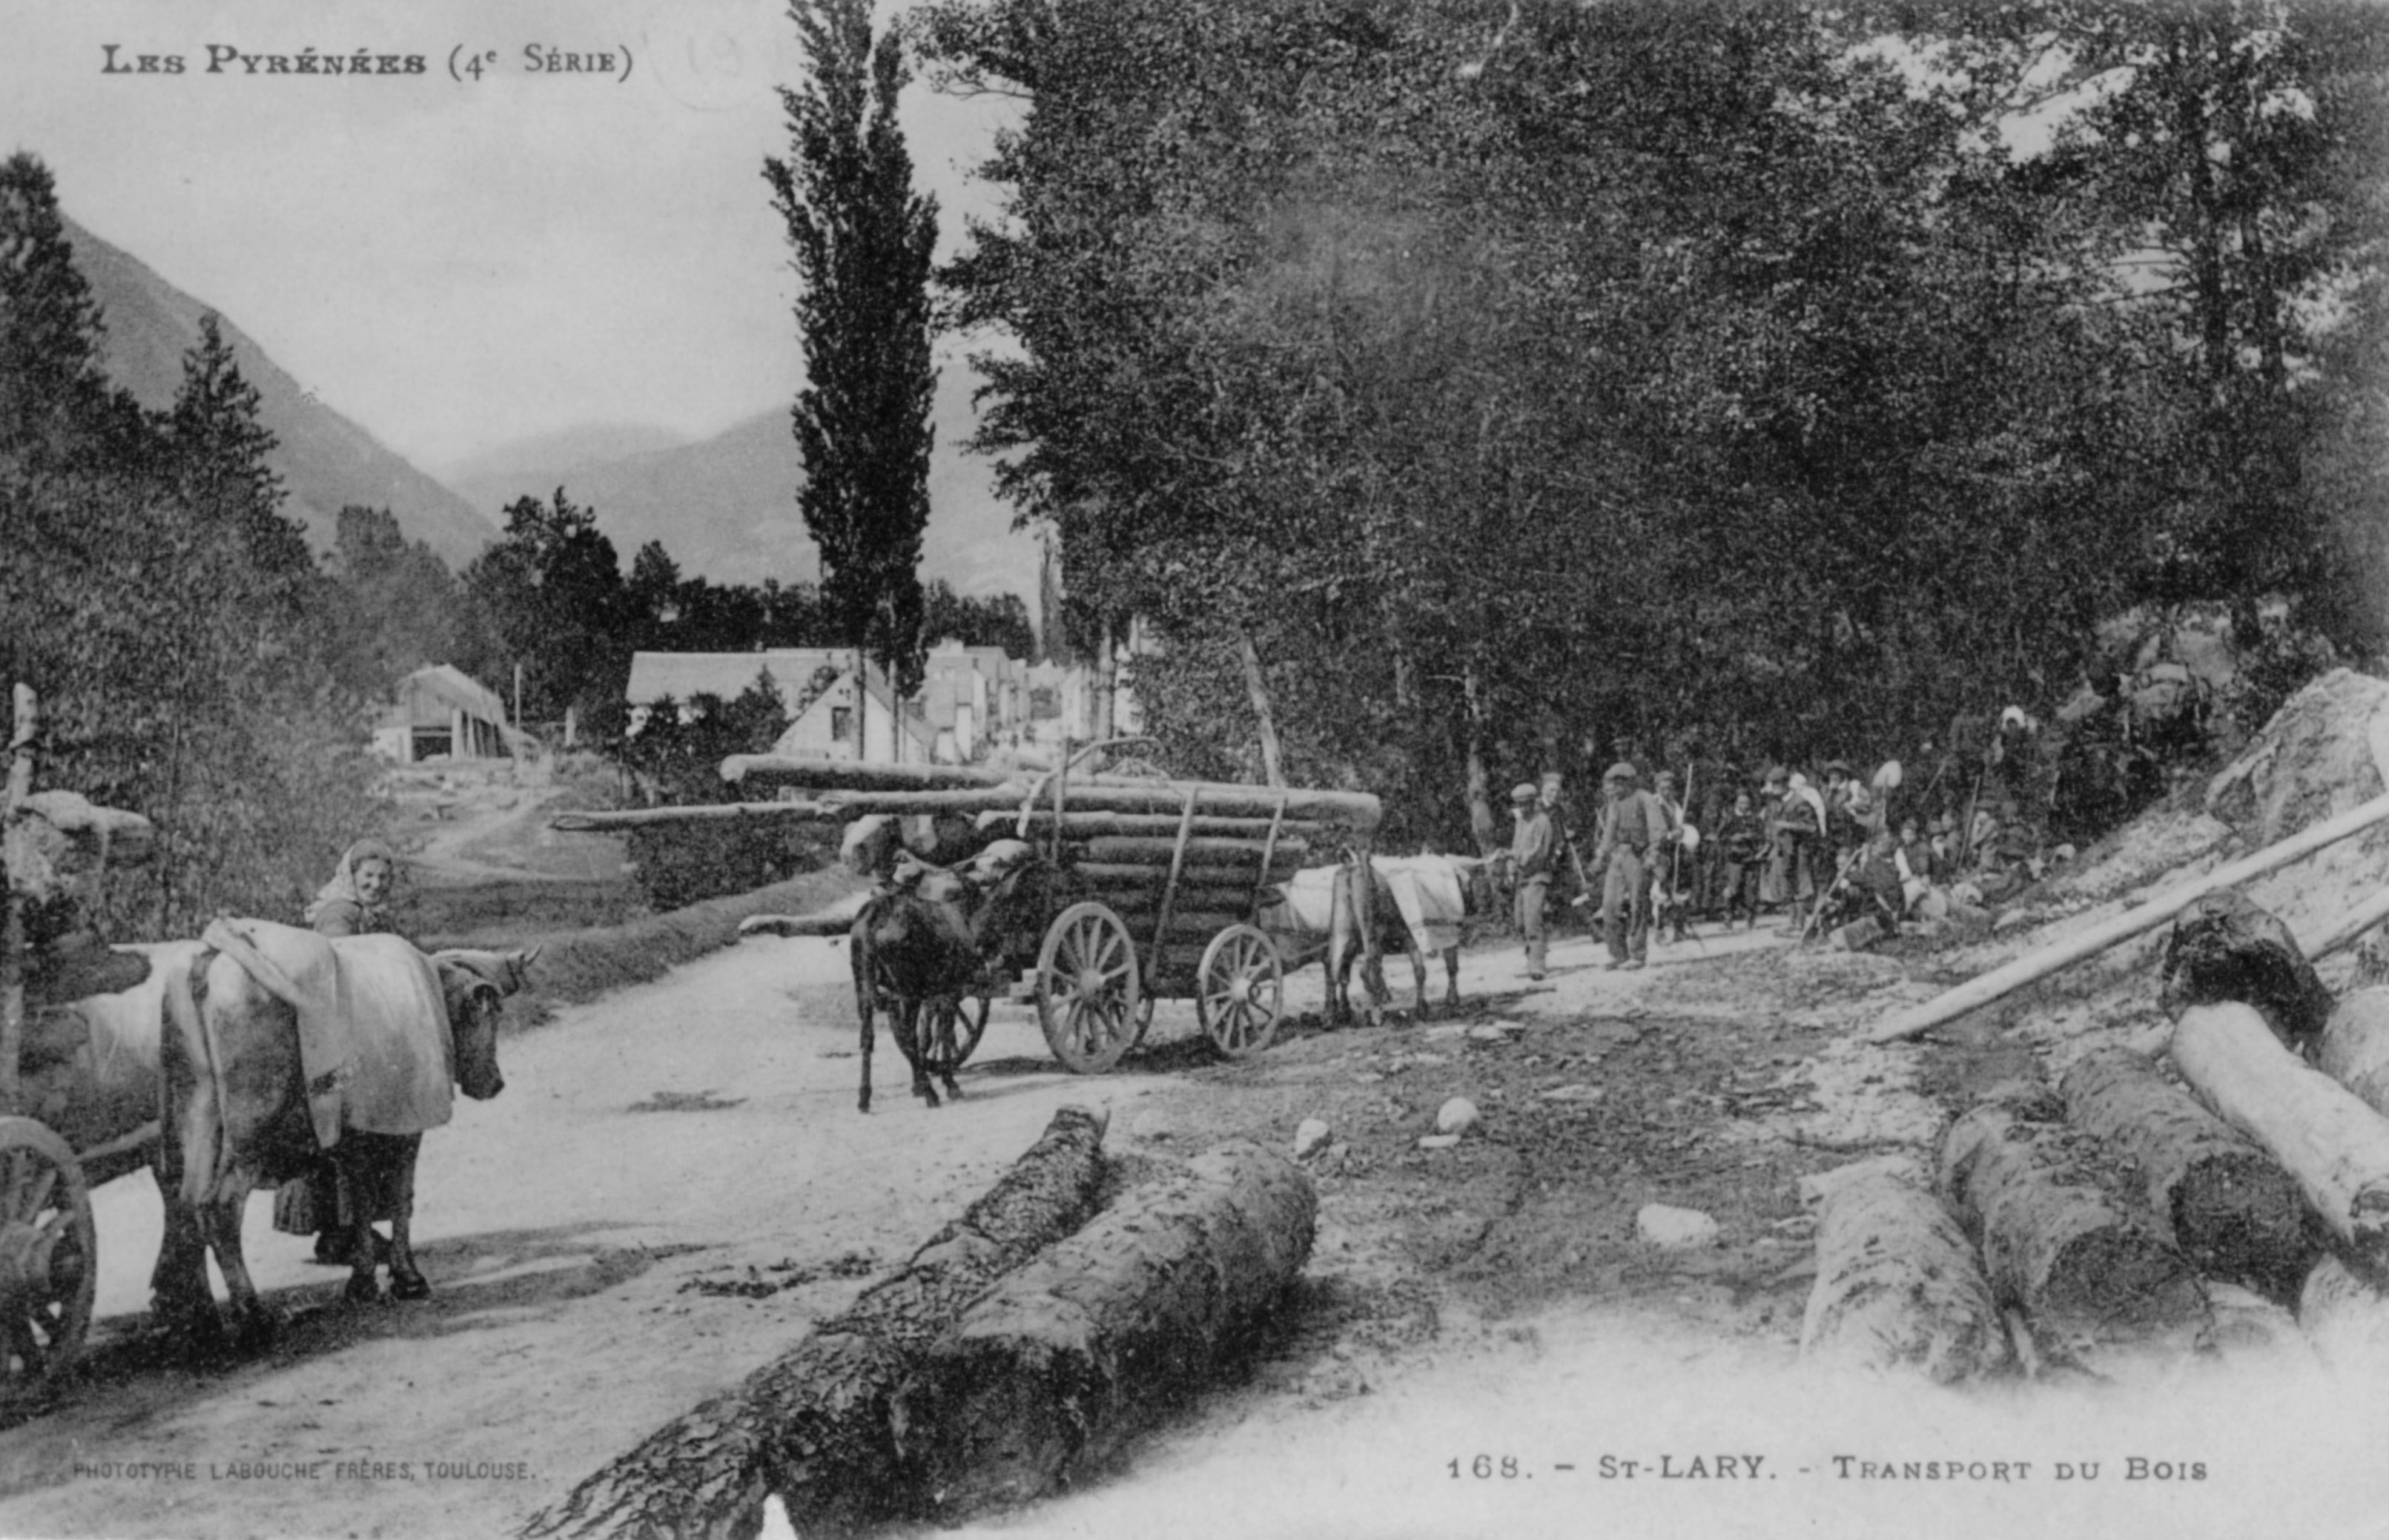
[237,1061]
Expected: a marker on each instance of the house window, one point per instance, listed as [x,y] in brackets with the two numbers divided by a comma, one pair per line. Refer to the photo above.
[842,725]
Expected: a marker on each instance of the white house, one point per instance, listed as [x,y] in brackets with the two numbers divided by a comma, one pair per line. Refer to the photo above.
[826,728]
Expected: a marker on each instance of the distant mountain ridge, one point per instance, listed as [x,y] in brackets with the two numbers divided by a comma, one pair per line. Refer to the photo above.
[726,507]
[325,459]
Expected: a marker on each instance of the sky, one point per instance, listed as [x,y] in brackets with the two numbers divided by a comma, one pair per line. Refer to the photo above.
[459,265]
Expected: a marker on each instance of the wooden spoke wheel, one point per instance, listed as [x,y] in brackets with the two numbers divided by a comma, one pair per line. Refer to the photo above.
[1087,988]
[1240,990]
[50,1256]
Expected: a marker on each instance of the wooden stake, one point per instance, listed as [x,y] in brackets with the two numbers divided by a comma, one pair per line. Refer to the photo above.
[2000,982]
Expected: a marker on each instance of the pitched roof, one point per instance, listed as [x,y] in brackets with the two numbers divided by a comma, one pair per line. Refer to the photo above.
[458,689]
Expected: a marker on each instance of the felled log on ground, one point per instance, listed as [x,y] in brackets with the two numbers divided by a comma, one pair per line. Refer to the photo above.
[2230,1206]
[813,1425]
[2354,1050]
[2064,1237]
[2329,1142]
[1073,1353]
[1898,1287]
[2344,1317]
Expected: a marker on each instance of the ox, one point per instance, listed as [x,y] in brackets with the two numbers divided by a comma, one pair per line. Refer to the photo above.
[1416,904]
[294,1043]
[931,937]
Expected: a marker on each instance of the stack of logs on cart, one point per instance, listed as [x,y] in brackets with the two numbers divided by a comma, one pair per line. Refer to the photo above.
[1178,861]
[2240,1193]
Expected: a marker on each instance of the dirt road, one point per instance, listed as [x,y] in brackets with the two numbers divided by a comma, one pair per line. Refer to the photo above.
[674,1183]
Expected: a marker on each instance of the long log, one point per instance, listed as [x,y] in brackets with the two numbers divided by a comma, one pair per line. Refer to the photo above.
[1898,1287]
[811,1425]
[1137,877]
[2063,1238]
[578,822]
[1215,852]
[862,775]
[2227,1206]
[2092,940]
[2355,1048]
[2344,1317]
[1080,1349]
[1087,825]
[2334,1146]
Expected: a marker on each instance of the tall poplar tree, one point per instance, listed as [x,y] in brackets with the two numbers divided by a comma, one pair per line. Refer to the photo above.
[863,242]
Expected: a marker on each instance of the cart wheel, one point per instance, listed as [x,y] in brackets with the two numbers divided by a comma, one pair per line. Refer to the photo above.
[1240,990]
[1143,1018]
[1086,988]
[48,1256]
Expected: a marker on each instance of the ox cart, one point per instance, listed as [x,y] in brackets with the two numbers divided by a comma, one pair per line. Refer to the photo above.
[1144,888]
[1137,915]
[70,1117]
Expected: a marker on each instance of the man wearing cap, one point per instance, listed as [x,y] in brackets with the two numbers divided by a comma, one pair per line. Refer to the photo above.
[1534,849]
[1634,828]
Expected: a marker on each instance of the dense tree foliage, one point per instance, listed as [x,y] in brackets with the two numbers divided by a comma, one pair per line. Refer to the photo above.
[863,242]
[164,607]
[1530,383]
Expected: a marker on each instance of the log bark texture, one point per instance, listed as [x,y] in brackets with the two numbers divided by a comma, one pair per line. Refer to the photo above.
[2227,1206]
[1080,1348]
[2344,1317]
[1898,1287]
[813,1425]
[2064,1237]
[2334,1146]
[2354,1050]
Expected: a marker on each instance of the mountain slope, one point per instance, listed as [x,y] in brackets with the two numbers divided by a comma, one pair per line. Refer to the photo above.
[725,508]
[325,460]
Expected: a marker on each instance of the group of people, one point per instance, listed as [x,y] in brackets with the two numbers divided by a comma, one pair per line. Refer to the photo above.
[1822,851]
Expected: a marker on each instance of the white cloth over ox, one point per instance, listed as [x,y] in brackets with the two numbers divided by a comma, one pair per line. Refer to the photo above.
[1304,904]
[1428,891]
[373,1024]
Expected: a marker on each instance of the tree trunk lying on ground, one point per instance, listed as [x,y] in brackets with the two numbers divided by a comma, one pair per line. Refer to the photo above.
[812,1424]
[1074,1352]
[2354,1049]
[2232,1209]
[2334,1146]
[2346,1318]
[1898,1285]
[2064,1237]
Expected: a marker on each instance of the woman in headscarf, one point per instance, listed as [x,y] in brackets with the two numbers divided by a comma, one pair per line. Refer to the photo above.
[355,902]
